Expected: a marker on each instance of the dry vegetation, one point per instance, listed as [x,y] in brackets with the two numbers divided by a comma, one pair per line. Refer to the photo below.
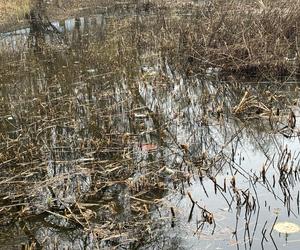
[248,37]
[13,10]
[237,37]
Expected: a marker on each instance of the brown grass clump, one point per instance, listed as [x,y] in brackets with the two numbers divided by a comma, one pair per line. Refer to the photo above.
[247,37]
[13,9]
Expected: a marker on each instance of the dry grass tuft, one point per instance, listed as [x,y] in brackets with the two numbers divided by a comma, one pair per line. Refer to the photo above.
[14,9]
[248,37]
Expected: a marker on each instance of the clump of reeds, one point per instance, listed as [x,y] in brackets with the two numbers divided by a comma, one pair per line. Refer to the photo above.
[14,9]
[248,37]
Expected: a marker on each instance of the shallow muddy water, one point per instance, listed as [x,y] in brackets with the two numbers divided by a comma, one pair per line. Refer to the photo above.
[109,142]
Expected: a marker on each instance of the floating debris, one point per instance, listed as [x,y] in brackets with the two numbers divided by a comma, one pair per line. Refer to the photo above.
[165,171]
[137,115]
[286,227]
[149,147]
[91,71]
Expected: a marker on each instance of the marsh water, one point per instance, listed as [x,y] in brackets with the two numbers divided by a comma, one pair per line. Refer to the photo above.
[108,139]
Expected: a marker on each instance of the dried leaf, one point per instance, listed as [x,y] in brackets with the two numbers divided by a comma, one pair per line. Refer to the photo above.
[149,147]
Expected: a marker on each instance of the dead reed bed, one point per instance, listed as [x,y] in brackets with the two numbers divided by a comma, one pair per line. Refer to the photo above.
[251,38]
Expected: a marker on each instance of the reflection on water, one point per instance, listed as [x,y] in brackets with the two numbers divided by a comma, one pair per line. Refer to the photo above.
[102,134]
[18,40]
